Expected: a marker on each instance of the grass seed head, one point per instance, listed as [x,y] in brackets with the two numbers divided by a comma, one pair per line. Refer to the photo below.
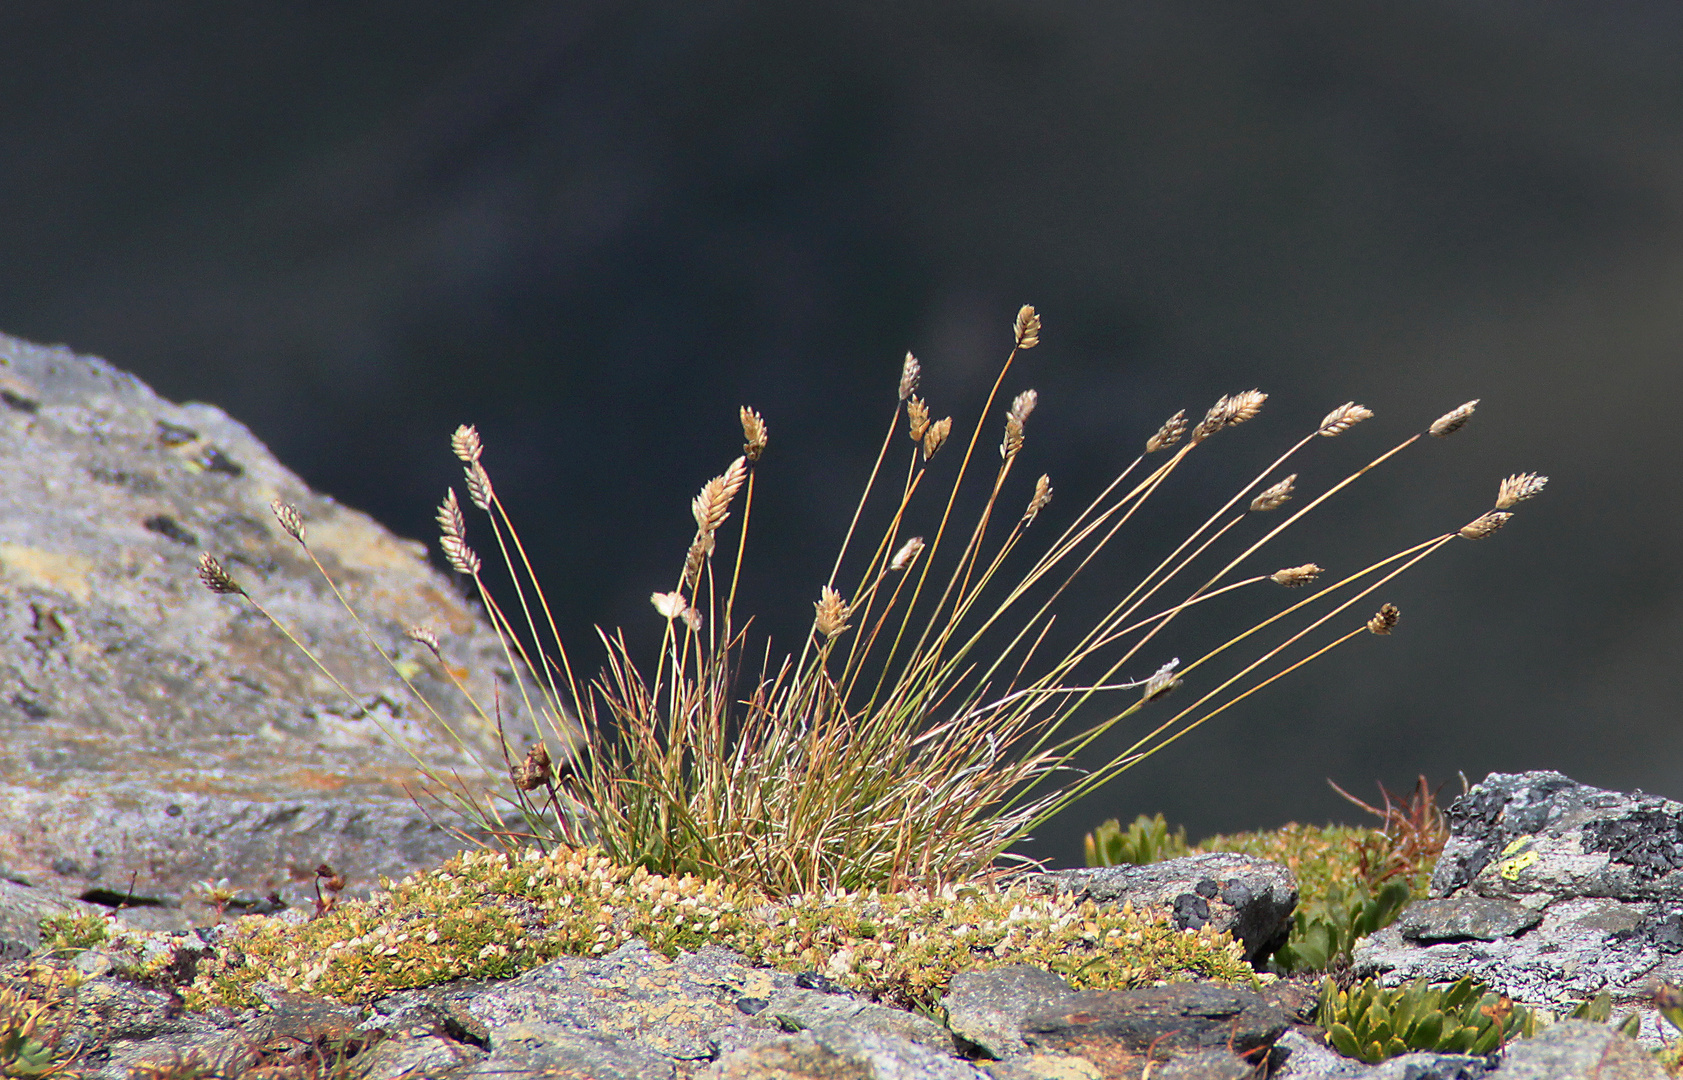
[1014,420]
[480,492]
[1519,487]
[1384,620]
[1481,527]
[452,537]
[935,436]
[907,555]
[1453,420]
[917,418]
[215,578]
[1343,418]
[1027,327]
[1162,681]
[291,521]
[1293,577]
[910,373]
[465,442]
[1167,435]
[1042,496]
[831,612]
[712,505]
[461,557]
[700,548]
[1275,497]
[1229,411]
[534,772]
[451,524]
[425,635]
[753,434]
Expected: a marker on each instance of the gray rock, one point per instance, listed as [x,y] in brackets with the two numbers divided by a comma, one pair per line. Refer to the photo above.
[986,1008]
[1575,1050]
[1312,1059]
[1521,836]
[1205,1065]
[1550,891]
[406,1057]
[1432,1067]
[837,1052]
[632,995]
[21,910]
[795,1057]
[796,1009]
[889,1057]
[1252,899]
[539,1049]
[1177,1019]
[1458,918]
[152,734]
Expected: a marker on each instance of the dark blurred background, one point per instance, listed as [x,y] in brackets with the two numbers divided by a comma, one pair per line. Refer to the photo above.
[596,228]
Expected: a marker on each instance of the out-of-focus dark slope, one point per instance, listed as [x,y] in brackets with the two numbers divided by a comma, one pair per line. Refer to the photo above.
[595,229]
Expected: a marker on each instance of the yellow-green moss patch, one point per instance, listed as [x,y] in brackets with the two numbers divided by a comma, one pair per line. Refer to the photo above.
[486,915]
[1324,858]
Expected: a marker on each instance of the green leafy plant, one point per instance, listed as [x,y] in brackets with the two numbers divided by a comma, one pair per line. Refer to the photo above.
[1147,840]
[1599,1010]
[24,1052]
[1371,1023]
[931,717]
[1326,928]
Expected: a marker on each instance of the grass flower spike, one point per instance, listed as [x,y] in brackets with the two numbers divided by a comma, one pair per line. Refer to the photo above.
[1484,526]
[1167,435]
[1384,621]
[753,434]
[216,579]
[1343,418]
[831,613]
[1519,487]
[1027,328]
[1275,497]
[1453,420]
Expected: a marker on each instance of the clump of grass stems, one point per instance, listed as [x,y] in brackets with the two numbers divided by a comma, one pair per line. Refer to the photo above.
[919,732]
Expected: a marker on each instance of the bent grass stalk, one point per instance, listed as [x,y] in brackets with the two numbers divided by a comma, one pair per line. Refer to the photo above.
[918,734]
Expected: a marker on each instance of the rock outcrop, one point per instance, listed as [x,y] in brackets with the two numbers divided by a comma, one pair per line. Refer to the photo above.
[632,1015]
[1251,899]
[1550,891]
[153,735]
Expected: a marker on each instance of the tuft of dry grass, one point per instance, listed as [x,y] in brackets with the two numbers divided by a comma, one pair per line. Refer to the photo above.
[930,719]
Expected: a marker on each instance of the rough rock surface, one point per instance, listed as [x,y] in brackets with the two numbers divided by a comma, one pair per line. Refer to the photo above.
[21,910]
[1252,899]
[1122,1031]
[153,735]
[634,1015]
[1550,891]
[1573,1049]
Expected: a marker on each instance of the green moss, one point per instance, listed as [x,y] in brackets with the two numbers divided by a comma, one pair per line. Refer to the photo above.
[485,915]
[1323,858]
[70,934]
